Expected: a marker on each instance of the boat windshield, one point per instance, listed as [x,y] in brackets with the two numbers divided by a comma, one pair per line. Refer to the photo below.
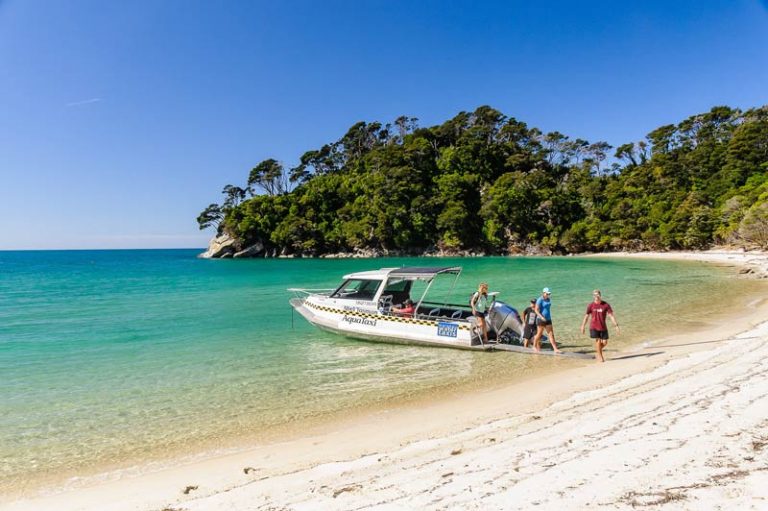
[398,290]
[357,289]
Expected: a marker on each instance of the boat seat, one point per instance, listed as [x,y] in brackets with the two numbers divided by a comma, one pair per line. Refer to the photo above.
[385,304]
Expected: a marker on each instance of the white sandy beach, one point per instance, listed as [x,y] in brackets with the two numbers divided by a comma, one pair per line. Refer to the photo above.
[681,423]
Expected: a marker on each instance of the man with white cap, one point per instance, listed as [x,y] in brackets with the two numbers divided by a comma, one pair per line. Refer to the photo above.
[544,320]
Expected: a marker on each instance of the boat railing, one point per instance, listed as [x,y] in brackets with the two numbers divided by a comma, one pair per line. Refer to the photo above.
[305,292]
[441,311]
[448,305]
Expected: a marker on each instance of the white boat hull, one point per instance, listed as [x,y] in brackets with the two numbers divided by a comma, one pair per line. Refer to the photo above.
[371,306]
[361,322]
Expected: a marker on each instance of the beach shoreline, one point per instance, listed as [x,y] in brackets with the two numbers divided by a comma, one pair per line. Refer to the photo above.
[343,465]
[754,263]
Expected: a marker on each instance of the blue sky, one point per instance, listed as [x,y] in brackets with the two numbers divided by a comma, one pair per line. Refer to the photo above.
[120,121]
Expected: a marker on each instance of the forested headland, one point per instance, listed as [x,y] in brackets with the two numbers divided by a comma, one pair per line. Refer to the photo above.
[483,182]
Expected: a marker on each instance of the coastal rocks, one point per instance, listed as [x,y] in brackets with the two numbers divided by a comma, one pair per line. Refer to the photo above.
[525,249]
[753,264]
[372,253]
[225,246]
[438,251]
[221,246]
[455,253]
[252,251]
[359,253]
[754,271]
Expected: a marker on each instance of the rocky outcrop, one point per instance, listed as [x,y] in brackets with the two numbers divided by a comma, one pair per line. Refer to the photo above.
[252,251]
[221,246]
[225,246]
[359,253]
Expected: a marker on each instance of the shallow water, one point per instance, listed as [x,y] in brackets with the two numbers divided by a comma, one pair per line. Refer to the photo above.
[109,358]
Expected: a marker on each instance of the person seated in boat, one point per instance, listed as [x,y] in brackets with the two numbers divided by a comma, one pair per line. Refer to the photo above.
[406,310]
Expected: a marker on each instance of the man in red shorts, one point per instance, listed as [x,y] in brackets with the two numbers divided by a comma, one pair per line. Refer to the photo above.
[598,329]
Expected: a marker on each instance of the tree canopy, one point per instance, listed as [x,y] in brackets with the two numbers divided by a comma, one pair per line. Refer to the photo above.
[485,182]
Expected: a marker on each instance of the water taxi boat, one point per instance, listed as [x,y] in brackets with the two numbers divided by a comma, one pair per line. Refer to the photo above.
[367,305]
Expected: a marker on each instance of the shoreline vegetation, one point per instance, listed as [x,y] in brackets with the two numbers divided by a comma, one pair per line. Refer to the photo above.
[483,183]
[679,419]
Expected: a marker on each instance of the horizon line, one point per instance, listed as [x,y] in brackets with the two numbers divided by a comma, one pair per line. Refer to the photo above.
[94,249]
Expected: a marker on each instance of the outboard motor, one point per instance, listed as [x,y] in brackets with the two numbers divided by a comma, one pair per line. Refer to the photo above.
[505,320]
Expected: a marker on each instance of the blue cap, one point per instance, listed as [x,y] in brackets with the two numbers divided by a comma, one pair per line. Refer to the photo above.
[546,291]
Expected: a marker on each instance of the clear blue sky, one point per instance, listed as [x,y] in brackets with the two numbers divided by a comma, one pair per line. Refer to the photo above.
[120,121]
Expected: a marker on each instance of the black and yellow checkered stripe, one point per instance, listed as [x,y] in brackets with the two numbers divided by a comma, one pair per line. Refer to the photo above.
[396,319]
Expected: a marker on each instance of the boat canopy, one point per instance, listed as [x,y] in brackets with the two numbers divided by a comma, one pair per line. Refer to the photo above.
[410,272]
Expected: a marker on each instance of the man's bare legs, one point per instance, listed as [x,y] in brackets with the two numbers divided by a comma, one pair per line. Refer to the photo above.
[540,332]
[551,334]
[599,345]
[537,337]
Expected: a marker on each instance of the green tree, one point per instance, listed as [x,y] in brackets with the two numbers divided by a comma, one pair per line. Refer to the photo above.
[754,227]
[268,176]
[485,181]
[210,217]
[233,196]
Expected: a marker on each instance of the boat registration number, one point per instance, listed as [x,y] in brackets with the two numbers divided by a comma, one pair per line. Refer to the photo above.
[446,329]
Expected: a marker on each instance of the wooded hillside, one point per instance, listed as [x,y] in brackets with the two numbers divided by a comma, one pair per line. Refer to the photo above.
[485,182]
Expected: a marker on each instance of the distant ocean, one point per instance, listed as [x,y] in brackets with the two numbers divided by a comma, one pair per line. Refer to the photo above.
[111,359]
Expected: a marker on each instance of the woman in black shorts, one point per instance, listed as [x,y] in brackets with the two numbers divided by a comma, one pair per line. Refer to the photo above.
[480,306]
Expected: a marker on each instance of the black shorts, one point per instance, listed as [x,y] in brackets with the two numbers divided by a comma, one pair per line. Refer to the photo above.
[529,332]
[543,322]
[598,334]
[479,314]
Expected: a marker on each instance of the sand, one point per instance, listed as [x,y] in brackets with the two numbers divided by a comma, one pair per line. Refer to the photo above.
[681,423]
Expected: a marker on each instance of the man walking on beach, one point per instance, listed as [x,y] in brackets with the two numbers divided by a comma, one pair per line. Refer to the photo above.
[544,321]
[598,329]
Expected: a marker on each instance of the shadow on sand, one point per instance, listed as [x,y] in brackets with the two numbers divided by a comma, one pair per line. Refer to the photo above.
[625,357]
[700,342]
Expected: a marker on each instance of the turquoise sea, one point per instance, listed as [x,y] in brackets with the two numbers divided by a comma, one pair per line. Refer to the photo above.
[111,359]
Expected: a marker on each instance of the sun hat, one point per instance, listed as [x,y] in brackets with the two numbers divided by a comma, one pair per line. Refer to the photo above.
[546,291]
